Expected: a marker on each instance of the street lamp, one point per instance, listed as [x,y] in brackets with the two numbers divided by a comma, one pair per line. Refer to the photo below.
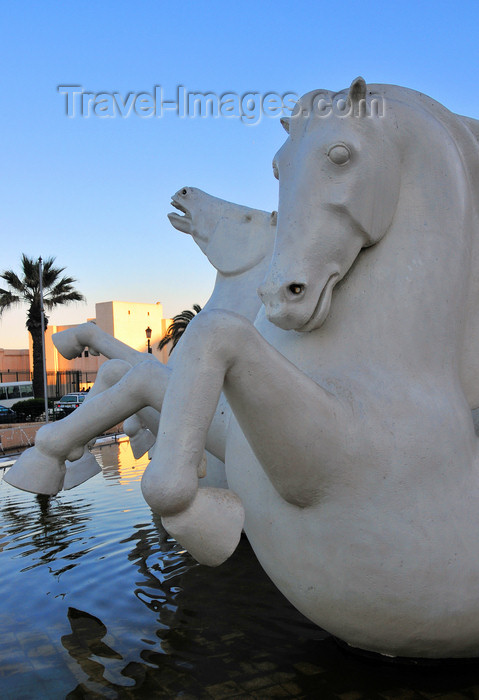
[148,338]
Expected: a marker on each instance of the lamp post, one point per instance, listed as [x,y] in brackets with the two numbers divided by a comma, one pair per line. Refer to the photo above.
[148,338]
[42,318]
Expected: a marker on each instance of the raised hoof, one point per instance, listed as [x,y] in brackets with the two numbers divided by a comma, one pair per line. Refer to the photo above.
[80,471]
[142,442]
[67,344]
[38,473]
[210,528]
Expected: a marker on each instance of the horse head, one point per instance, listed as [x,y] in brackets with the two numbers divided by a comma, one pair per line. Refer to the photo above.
[339,180]
[233,237]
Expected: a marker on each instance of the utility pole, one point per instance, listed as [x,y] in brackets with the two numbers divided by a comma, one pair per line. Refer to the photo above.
[42,316]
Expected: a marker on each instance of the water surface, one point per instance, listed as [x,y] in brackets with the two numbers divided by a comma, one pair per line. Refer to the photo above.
[97,601]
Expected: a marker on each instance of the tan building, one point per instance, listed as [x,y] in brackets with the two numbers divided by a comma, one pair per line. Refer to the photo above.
[15,363]
[128,322]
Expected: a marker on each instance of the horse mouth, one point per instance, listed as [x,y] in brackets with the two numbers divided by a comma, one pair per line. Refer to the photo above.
[321,310]
[182,223]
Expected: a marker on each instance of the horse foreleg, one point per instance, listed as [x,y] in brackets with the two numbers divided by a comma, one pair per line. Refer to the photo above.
[73,341]
[41,469]
[84,468]
[293,425]
[136,426]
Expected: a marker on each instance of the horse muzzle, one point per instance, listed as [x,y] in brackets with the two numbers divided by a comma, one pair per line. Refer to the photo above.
[295,306]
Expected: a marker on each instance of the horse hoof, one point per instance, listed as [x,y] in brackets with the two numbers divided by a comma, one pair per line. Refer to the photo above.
[141,442]
[210,528]
[37,473]
[80,471]
[67,344]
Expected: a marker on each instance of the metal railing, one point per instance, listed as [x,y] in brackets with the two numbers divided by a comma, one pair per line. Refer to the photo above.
[58,383]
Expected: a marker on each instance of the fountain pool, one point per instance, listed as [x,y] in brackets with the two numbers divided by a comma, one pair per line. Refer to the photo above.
[97,601]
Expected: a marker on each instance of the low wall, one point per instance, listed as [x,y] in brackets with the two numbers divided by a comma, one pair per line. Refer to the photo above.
[17,436]
[14,436]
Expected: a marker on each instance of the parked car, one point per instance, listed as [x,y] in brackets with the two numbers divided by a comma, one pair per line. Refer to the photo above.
[7,415]
[70,401]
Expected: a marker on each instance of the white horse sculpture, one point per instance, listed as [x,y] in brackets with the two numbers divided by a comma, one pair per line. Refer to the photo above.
[351,444]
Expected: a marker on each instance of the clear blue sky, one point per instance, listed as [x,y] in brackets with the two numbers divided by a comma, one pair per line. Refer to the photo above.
[95,191]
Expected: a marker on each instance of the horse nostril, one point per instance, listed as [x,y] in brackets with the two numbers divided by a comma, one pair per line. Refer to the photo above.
[296,289]
[184,192]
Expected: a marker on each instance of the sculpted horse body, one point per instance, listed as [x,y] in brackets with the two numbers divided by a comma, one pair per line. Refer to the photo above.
[351,446]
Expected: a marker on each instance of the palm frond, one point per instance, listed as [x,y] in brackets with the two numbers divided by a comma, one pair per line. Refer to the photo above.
[31,276]
[12,279]
[62,298]
[52,274]
[177,328]
[7,300]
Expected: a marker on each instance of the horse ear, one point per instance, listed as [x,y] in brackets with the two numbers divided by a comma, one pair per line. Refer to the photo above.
[357,91]
[285,123]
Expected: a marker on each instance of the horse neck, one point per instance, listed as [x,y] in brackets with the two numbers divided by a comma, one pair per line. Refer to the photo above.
[238,293]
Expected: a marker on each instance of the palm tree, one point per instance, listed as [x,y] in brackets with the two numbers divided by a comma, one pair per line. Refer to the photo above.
[178,327]
[26,288]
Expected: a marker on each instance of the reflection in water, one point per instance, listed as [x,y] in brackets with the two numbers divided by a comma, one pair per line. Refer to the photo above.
[97,601]
[45,535]
[87,633]
[85,641]
[122,469]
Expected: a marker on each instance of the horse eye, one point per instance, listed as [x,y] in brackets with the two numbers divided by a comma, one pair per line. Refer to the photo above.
[339,154]
[275,170]
[296,288]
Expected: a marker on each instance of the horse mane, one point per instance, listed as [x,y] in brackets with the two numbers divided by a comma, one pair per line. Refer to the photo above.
[472,125]
[464,133]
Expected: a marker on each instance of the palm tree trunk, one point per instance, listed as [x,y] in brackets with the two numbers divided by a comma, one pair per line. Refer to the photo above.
[38,389]
[34,326]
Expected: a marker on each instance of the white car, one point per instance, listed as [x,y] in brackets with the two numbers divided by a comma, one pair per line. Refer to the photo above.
[70,401]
